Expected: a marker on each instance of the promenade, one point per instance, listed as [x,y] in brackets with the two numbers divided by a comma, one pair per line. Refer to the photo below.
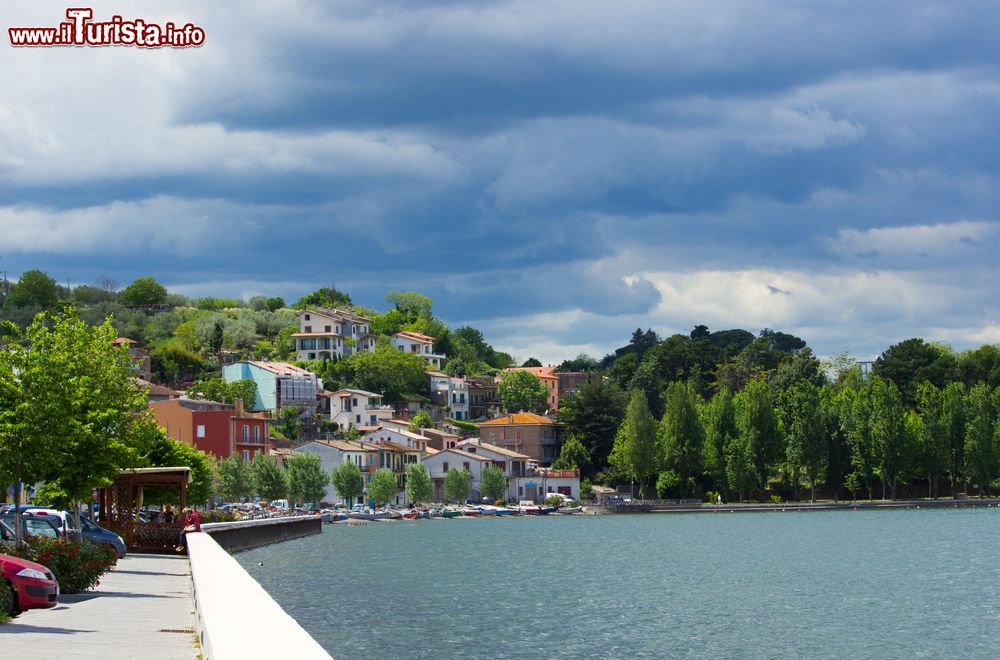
[142,609]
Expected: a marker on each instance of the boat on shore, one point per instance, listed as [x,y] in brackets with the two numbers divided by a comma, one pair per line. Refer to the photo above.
[570,510]
[369,515]
[451,513]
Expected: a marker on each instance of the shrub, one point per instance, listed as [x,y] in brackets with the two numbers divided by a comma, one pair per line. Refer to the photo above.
[77,566]
[554,500]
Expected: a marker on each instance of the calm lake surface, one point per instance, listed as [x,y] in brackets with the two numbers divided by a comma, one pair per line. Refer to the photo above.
[843,584]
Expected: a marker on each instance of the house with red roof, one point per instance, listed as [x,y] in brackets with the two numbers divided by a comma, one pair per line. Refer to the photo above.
[422,345]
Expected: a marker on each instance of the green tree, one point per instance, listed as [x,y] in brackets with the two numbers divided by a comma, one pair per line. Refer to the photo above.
[981,456]
[167,452]
[289,421]
[421,420]
[913,361]
[758,428]
[806,448]
[493,484]
[144,291]
[720,429]
[740,472]
[888,433]
[418,483]
[383,488]
[216,389]
[307,481]
[387,370]
[953,427]
[856,420]
[346,479]
[634,451]
[325,297]
[531,362]
[933,448]
[681,437]
[522,390]
[572,456]
[592,416]
[269,479]
[456,485]
[34,289]
[236,479]
[410,304]
[67,398]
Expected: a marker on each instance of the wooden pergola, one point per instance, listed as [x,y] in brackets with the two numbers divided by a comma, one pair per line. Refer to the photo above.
[119,506]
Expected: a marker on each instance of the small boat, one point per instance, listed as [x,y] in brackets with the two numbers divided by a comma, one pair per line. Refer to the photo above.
[470,511]
[531,510]
[570,510]
[411,515]
[451,513]
[368,515]
[395,515]
[546,510]
[504,511]
[487,510]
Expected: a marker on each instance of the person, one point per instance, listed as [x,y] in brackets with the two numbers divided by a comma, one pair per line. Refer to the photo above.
[192,523]
[168,514]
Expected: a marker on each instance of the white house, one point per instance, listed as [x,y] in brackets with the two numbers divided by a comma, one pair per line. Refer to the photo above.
[422,345]
[331,454]
[328,333]
[402,438]
[439,463]
[350,408]
[538,484]
[452,392]
[513,464]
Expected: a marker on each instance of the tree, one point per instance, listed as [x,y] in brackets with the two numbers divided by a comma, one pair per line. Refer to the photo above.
[456,485]
[758,429]
[167,452]
[720,429]
[216,389]
[325,297]
[532,362]
[236,479]
[681,437]
[492,483]
[288,422]
[933,448]
[572,456]
[410,304]
[144,291]
[581,362]
[634,451]
[981,456]
[888,433]
[739,465]
[67,397]
[269,480]
[346,479]
[421,420]
[34,289]
[383,488]
[913,361]
[855,411]
[387,370]
[418,483]
[953,428]
[307,481]
[806,448]
[592,416]
[522,390]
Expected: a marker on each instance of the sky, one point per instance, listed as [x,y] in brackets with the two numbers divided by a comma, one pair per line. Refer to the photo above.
[555,173]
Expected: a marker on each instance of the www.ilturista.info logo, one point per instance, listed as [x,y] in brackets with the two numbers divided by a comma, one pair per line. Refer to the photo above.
[80,30]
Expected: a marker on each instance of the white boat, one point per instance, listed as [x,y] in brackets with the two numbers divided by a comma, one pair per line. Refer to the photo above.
[569,510]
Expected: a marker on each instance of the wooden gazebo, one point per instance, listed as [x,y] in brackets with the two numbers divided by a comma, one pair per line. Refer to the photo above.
[120,504]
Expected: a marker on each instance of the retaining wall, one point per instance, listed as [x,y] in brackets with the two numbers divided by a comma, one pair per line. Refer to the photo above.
[249,534]
[237,619]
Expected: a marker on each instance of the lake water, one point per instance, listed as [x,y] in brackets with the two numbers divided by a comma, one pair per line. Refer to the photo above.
[844,584]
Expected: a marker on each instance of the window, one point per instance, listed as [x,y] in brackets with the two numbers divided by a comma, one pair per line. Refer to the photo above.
[246,433]
[246,455]
[312,356]
[200,431]
[357,419]
[256,434]
[445,466]
[307,317]
[326,328]
[458,415]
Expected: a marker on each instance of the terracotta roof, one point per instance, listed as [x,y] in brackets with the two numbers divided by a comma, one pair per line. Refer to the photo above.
[416,336]
[430,451]
[465,454]
[521,418]
[157,390]
[541,372]
[369,428]
[341,393]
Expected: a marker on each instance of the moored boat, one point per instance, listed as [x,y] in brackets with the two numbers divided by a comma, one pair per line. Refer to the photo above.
[451,513]
[569,510]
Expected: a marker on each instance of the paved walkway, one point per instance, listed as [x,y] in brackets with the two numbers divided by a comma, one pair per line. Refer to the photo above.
[123,618]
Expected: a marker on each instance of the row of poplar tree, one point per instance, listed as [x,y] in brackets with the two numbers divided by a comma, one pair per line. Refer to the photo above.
[862,441]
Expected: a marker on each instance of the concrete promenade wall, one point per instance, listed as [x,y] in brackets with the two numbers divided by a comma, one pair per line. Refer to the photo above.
[249,534]
[236,618]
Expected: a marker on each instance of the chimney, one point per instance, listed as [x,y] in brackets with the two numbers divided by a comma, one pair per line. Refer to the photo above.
[238,405]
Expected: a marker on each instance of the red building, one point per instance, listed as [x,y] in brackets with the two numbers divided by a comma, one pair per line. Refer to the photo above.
[220,429]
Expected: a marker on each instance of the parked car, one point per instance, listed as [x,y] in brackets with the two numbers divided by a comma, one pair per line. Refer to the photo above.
[26,585]
[67,527]
[35,524]
[96,534]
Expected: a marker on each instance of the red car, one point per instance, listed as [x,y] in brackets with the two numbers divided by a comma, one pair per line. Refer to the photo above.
[26,585]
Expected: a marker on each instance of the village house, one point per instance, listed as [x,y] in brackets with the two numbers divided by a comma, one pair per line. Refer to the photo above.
[331,454]
[279,384]
[389,455]
[484,402]
[511,463]
[358,408]
[524,432]
[451,393]
[402,437]
[540,483]
[439,463]
[422,345]
[220,429]
[141,362]
[332,333]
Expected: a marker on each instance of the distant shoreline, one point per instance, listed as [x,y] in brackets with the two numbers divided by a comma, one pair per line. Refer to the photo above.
[806,506]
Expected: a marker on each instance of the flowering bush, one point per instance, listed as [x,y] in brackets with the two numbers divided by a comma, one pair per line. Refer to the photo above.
[77,566]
